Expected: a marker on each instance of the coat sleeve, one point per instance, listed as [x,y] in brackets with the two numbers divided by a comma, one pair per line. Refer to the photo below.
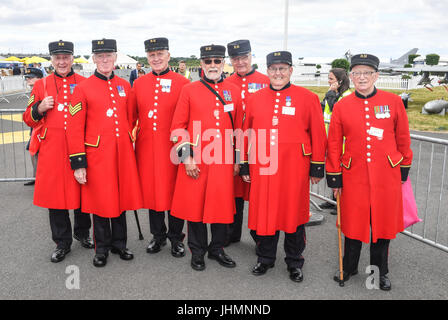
[76,129]
[31,116]
[334,150]
[318,138]
[403,139]
[179,133]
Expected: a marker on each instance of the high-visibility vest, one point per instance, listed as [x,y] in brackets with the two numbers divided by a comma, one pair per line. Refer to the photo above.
[328,111]
[187,74]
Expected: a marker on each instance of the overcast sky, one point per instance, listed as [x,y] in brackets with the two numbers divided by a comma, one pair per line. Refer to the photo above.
[323,28]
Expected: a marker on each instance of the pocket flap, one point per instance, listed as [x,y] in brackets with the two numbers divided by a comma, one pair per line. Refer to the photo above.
[306,149]
[132,136]
[395,159]
[92,142]
[43,134]
[346,161]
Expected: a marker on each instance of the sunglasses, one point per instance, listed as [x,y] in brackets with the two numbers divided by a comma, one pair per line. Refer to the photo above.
[209,61]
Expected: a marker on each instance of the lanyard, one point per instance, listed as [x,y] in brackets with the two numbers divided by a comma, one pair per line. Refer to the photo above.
[220,99]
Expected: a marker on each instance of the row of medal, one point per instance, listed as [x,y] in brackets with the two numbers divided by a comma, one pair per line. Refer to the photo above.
[254,87]
[382,112]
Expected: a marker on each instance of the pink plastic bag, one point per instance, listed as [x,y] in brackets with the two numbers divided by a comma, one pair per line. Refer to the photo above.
[410,216]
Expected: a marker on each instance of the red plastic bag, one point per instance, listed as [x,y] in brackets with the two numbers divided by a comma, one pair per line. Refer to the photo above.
[410,216]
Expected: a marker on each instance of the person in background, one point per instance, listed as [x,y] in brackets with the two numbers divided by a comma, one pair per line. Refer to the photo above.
[183,70]
[134,74]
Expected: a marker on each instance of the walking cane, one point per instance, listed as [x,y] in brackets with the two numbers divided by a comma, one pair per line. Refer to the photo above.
[341,270]
[140,235]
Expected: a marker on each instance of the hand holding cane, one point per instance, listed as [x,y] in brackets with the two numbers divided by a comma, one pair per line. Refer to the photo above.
[341,270]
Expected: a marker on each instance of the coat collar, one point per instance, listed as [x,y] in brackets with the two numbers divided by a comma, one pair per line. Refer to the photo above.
[285,87]
[247,74]
[162,73]
[68,75]
[100,76]
[212,81]
[366,97]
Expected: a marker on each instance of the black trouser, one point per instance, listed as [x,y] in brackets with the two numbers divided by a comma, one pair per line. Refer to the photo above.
[61,227]
[158,227]
[379,253]
[234,229]
[109,233]
[294,246]
[197,238]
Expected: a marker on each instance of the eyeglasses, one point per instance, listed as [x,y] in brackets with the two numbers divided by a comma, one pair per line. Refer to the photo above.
[209,61]
[281,69]
[365,74]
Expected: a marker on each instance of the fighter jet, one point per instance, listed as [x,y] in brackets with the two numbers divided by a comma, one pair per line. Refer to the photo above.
[397,63]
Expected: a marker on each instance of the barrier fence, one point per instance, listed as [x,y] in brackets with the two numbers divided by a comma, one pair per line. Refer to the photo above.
[427,175]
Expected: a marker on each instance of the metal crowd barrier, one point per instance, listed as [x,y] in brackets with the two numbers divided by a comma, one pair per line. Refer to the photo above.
[427,175]
[13,85]
[15,163]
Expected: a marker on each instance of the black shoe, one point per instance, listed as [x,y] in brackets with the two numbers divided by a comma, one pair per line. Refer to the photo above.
[177,249]
[29,183]
[125,254]
[59,254]
[295,274]
[100,260]
[261,268]
[85,242]
[198,263]
[346,275]
[327,205]
[385,283]
[155,246]
[223,259]
[334,212]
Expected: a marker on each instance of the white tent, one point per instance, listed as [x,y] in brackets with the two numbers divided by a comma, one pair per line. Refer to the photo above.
[123,61]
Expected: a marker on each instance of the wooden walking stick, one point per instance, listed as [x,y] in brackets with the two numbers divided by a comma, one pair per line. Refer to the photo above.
[341,269]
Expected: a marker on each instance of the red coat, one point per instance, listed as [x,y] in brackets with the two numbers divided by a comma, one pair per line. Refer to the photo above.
[153,107]
[55,187]
[369,170]
[249,84]
[210,198]
[99,138]
[289,129]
